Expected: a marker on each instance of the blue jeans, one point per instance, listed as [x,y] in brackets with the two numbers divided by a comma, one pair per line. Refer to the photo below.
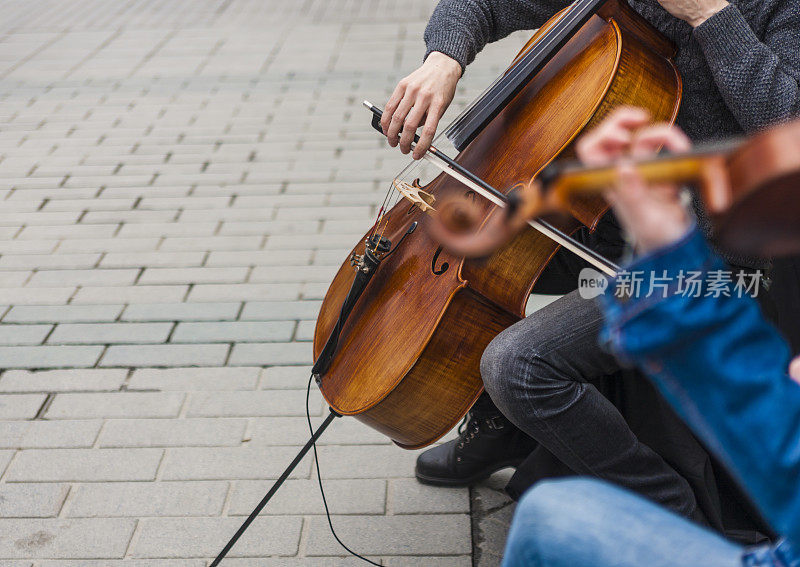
[586,522]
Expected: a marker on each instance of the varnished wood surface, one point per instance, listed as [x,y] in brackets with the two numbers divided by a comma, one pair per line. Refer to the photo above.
[762,219]
[445,381]
[636,26]
[530,132]
[392,322]
[408,360]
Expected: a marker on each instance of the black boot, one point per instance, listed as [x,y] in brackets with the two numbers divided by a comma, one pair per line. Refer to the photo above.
[487,442]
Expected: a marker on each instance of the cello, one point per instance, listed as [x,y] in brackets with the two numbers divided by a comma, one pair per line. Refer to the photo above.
[401,330]
[404,323]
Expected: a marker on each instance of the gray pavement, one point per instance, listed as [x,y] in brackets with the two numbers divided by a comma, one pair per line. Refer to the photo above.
[179,181]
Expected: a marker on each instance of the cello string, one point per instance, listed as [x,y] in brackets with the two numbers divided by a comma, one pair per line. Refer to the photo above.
[395,198]
[394,202]
[381,211]
[575,12]
[391,194]
[386,206]
[512,70]
[379,216]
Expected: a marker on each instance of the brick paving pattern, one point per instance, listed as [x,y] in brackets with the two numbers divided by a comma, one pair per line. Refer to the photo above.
[179,181]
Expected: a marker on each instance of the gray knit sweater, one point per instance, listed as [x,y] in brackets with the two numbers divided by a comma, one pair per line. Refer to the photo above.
[740,68]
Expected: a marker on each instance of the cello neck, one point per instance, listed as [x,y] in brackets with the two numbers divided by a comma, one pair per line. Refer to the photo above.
[469,125]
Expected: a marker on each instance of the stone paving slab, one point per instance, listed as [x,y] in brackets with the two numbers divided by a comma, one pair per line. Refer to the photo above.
[203,379]
[347,496]
[57,465]
[32,500]
[447,534]
[63,380]
[41,434]
[179,181]
[136,499]
[203,537]
[65,539]
[203,432]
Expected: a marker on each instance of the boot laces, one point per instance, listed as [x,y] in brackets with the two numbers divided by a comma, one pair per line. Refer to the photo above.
[468,429]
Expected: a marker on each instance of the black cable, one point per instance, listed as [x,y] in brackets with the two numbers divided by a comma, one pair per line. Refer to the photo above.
[319,480]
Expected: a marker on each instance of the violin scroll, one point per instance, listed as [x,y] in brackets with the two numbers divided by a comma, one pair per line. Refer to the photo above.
[457,223]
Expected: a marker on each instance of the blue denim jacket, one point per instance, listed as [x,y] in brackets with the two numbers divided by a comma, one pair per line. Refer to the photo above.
[724,369]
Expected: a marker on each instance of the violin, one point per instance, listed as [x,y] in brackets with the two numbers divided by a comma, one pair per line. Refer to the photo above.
[750,188]
[402,328]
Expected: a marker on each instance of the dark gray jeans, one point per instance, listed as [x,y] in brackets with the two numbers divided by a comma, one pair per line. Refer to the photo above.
[539,371]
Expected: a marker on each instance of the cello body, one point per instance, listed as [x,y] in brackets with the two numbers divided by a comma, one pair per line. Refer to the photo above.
[408,358]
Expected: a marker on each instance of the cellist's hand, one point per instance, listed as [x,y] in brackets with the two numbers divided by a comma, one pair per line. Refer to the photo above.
[654,215]
[421,98]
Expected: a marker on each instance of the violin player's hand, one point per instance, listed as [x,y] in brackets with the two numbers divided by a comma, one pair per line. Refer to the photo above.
[654,216]
[421,98]
[794,369]
[611,140]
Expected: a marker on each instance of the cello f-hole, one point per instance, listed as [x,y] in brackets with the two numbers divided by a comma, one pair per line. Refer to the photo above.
[443,268]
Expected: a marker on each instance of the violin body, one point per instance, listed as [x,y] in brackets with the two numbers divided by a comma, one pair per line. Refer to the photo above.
[408,357]
[758,213]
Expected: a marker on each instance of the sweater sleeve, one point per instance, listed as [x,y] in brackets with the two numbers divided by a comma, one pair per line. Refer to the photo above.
[758,79]
[722,367]
[461,28]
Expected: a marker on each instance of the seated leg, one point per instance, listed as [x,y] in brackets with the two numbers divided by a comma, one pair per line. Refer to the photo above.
[537,371]
[589,523]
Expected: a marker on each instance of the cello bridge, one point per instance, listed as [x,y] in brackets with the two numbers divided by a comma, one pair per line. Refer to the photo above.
[417,196]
